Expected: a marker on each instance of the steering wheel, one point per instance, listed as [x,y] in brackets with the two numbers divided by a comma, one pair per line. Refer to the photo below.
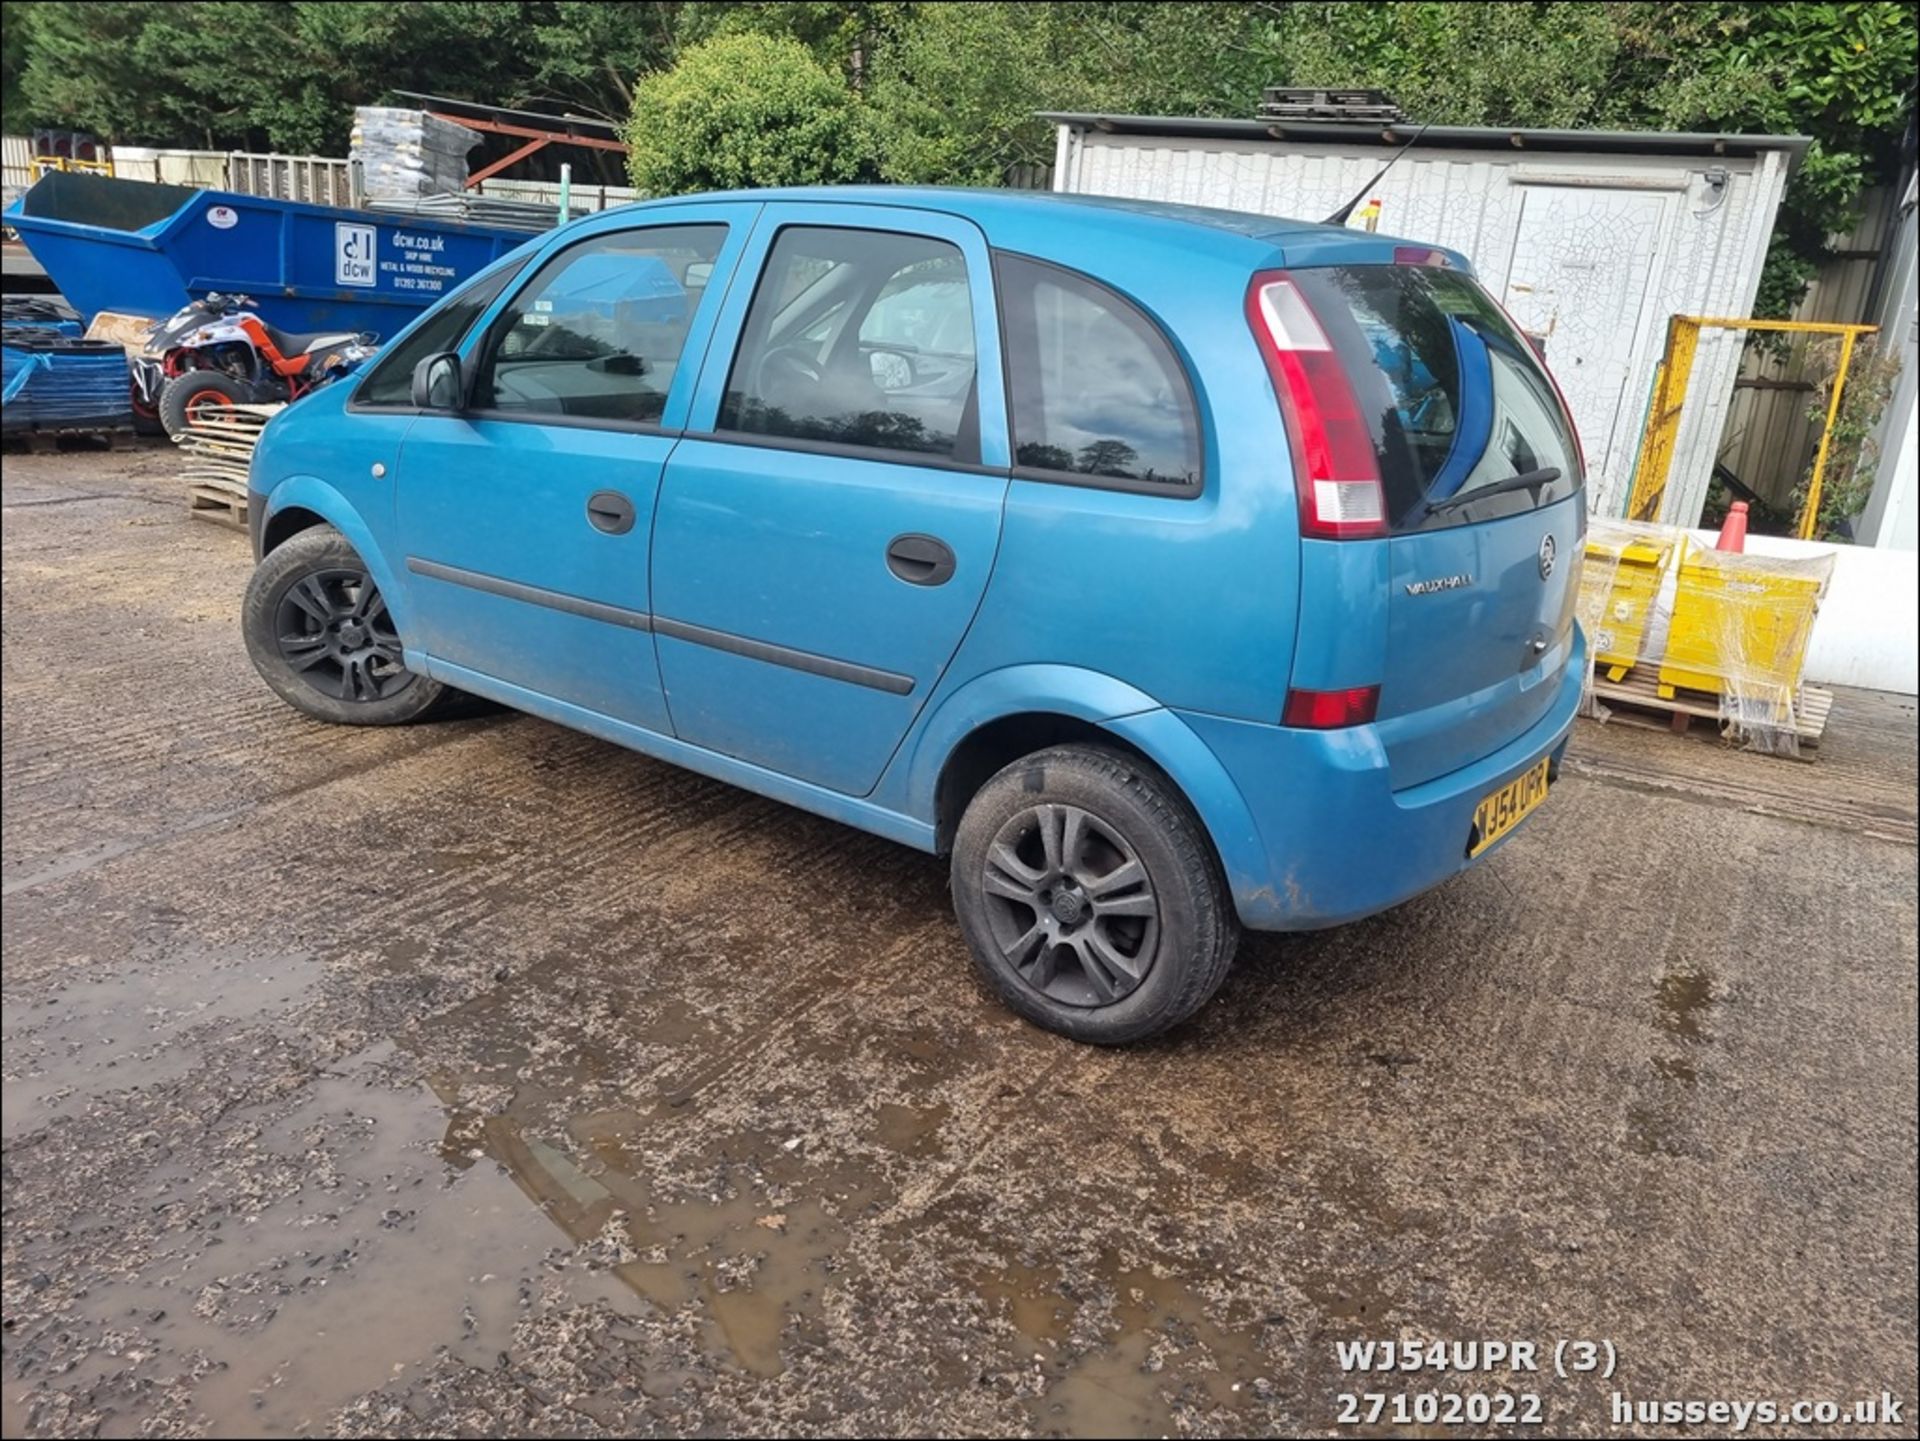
[782,368]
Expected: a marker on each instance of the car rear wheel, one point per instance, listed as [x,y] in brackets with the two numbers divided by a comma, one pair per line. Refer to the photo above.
[1090,896]
[319,632]
[198,394]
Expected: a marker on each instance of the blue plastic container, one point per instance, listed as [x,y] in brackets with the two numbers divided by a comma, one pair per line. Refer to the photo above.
[127,245]
[54,382]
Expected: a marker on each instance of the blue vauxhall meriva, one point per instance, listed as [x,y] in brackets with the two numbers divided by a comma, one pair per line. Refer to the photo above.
[1170,570]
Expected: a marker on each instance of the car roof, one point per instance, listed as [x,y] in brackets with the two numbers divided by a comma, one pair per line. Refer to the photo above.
[981,204]
[1054,225]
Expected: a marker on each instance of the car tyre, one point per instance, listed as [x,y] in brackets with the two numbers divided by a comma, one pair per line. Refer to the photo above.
[318,631]
[1090,895]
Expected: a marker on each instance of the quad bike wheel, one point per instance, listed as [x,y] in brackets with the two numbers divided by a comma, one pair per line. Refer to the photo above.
[197,394]
[146,416]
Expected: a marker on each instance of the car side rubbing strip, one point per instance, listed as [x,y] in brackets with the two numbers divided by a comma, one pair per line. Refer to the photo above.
[851,672]
[532,594]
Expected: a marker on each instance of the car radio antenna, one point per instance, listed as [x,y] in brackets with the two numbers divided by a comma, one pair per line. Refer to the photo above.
[1339,217]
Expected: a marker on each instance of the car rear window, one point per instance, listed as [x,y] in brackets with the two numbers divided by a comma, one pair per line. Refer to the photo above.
[1454,395]
[1097,394]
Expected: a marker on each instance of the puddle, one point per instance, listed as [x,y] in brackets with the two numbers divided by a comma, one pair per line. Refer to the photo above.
[753,1275]
[909,1131]
[129,1029]
[606,1102]
[1033,1300]
[1661,1123]
[585,1137]
[591,1138]
[751,1261]
[377,1261]
[1158,1361]
[1682,1002]
[1675,1068]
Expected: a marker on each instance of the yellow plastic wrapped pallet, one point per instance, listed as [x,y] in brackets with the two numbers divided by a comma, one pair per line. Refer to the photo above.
[1626,566]
[1739,630]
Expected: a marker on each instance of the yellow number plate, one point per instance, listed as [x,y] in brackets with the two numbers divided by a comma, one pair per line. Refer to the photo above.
[1506,808]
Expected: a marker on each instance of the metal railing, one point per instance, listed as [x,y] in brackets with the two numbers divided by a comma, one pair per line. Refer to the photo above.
[1670,399]
[322,179]
[312,178]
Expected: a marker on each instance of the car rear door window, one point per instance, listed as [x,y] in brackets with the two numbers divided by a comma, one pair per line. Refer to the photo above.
[1097,394]
[1455,396]
[596,334]
[390,382]
[859,338]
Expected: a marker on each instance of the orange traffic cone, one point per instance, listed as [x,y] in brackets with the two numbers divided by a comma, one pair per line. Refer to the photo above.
[1733,531]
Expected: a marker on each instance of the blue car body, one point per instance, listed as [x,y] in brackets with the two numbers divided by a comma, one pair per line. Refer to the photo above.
[747,627]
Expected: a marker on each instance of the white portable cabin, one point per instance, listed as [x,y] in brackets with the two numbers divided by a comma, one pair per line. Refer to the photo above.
[1590,239]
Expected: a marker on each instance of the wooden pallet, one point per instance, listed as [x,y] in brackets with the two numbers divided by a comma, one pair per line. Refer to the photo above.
[220,501]
[1639,693]
[219,452]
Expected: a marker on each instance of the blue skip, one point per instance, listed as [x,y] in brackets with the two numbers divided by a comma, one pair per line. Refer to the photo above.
[145,249]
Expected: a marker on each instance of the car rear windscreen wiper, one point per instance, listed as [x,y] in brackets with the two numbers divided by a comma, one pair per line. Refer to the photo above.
[1526,480]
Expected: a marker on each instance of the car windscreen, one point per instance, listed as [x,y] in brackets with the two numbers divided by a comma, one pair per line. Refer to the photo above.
[1455,398]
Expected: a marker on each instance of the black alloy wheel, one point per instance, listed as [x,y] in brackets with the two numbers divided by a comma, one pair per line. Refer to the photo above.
[332,629]
[1071,906]
[1089,894]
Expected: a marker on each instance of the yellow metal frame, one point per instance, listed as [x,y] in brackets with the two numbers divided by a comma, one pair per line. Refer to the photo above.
[1670,398]
[40,164]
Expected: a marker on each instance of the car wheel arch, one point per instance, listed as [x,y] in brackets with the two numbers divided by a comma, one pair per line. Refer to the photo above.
[989,748]
[305,501]
[284,524]
[978,721]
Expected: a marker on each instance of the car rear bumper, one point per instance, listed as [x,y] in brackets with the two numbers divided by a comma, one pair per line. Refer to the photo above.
[1340,842]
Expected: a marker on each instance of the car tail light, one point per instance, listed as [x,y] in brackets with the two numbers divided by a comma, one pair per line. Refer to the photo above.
[1335,468]
[1420,255]
[1331,709]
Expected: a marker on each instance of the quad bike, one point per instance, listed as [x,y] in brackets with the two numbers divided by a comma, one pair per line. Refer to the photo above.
[217,353]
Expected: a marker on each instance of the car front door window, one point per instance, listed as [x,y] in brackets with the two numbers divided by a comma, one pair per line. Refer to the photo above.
[597,334]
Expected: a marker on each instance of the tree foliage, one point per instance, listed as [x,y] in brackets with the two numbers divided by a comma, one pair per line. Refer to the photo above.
[955,96]
[931,90]
[746,109]
[1851,447]
[286,74]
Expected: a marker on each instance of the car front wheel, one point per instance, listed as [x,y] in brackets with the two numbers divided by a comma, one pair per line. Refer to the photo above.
[1090,896]
[319,632]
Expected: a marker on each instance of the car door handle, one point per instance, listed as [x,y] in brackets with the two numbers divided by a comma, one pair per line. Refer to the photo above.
[610,511]
[920,559]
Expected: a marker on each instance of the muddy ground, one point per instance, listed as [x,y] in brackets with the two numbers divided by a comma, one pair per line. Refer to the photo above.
[484,1078]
